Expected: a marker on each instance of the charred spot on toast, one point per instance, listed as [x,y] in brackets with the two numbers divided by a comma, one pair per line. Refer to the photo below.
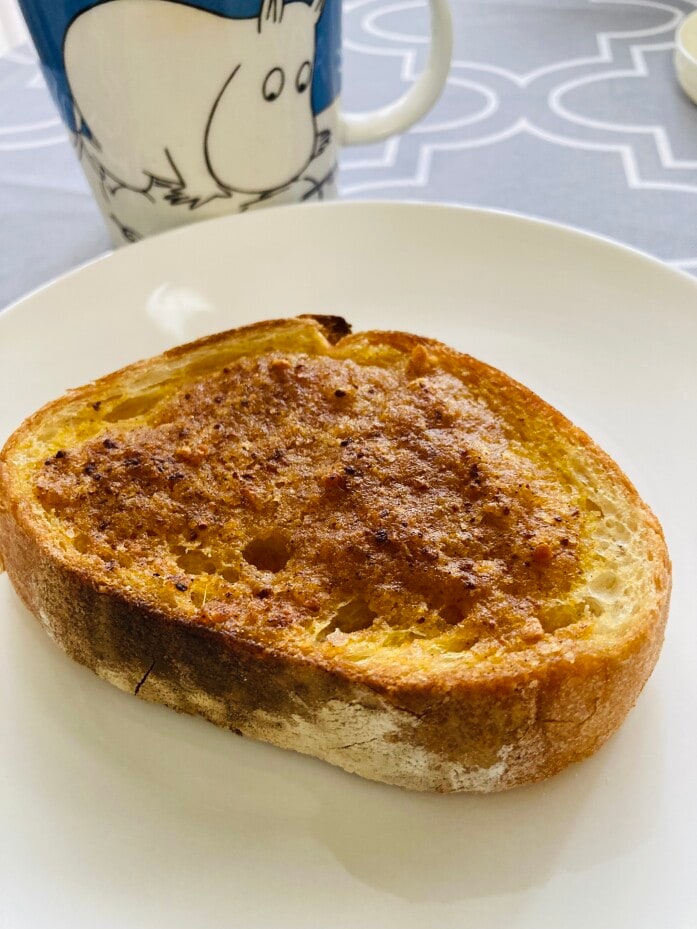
[334,328]
[348,504]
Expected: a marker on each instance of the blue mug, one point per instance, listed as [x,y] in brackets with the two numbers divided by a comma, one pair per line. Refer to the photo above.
[181,111]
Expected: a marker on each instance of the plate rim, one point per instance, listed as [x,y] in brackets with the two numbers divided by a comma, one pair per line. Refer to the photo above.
[574,233]
[572,238]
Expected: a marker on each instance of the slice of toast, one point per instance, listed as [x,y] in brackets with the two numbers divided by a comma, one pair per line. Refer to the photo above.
[369,548]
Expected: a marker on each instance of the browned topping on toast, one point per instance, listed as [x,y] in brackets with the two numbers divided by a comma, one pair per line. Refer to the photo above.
[367,547]
[355,502]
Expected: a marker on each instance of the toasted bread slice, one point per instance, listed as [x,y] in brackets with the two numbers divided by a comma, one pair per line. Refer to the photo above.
[369,548]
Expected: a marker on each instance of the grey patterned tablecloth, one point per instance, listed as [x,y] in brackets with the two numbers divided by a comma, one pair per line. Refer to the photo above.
[562,109]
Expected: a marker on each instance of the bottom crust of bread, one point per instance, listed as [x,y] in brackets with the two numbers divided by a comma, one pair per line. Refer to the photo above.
[488,736]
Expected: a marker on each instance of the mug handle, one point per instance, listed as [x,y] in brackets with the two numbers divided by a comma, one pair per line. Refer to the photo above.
[361,128]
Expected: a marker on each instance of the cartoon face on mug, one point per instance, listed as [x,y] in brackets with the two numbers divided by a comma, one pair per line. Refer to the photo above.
[234,119]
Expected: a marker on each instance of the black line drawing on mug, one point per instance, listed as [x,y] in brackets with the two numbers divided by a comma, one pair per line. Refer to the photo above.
[233,119]
[309,188]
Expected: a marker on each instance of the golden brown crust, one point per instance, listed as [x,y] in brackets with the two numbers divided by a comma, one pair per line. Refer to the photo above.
[520,712]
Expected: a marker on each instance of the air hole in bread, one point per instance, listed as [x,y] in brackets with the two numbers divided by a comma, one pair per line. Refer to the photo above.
[195,562]
[229,574]
[561,615]
[131,407]
[594,605]
[82,543]
[267,553]
[452,614]
[350,617]
[594,507]
[200,593]
[604,584]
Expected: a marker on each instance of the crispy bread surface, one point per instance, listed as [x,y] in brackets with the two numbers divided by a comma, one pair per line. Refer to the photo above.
[368,547]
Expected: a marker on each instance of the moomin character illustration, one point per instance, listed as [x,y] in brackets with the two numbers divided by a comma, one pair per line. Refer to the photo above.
[235,119]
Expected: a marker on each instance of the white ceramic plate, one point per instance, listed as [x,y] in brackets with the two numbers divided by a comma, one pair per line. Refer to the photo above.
[115,813]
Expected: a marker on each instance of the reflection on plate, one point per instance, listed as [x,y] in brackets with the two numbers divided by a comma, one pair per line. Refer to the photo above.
[119,813]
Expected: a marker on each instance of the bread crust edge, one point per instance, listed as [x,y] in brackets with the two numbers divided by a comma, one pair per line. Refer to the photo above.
[482,736]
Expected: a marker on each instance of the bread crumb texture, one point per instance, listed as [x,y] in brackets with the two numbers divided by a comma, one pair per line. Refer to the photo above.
[385,507]
[345,505]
